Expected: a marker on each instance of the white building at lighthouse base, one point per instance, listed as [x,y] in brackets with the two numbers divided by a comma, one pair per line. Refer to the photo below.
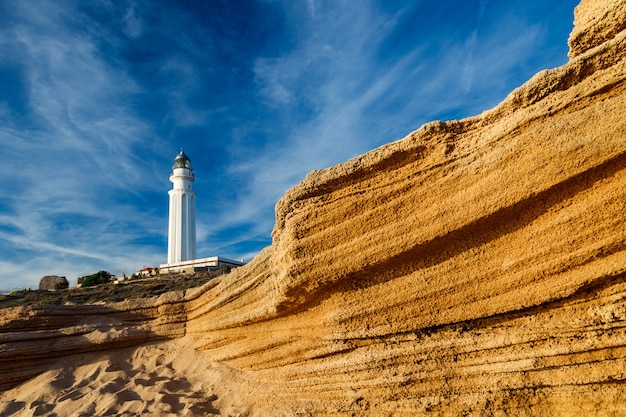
[198,265]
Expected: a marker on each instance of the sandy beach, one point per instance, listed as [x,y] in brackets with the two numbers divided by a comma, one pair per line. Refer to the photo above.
[165,379]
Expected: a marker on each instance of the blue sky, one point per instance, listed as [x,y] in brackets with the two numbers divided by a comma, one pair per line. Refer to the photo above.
[97,97]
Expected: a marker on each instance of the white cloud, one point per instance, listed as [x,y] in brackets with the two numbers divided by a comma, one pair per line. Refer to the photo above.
[62,177]
[133,24]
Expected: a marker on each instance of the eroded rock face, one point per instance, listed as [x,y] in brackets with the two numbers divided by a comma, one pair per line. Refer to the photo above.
[596,22]
[476,266]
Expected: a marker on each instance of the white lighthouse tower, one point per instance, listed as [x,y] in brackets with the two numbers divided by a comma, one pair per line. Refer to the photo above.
[181,245]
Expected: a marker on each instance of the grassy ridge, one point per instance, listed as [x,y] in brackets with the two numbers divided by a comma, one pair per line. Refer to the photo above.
[139,288]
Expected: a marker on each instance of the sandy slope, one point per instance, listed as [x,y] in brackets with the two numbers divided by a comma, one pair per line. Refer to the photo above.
[476,267]
[166,379]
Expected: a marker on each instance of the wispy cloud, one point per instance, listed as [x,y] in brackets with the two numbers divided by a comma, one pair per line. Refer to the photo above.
[79,154]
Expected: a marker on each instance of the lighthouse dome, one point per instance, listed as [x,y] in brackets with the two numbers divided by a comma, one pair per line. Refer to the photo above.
[182,160]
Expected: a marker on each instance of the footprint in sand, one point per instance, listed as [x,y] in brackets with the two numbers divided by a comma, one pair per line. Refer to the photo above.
[8,408]
[65,379]
[41,408]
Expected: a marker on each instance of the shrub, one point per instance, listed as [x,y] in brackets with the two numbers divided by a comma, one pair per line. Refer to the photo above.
[100,277]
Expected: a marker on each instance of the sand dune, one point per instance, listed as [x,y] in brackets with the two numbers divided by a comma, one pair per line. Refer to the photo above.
[166,379]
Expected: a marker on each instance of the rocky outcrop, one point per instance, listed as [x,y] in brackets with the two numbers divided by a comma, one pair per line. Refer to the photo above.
[595,23]
[53,282]
[474,267]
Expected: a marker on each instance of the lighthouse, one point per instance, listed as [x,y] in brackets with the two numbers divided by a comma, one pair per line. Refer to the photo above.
[181,245]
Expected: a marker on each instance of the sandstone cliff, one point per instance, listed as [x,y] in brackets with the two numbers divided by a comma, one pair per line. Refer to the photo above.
[475,266]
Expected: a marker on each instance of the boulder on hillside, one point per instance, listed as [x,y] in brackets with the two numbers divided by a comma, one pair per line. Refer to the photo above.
[53,282]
